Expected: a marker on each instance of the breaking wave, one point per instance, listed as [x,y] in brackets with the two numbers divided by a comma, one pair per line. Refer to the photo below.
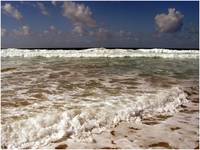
[101,52]
[44,128]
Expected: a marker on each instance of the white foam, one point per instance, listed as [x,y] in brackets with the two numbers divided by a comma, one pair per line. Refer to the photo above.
[101,52]
[41,129]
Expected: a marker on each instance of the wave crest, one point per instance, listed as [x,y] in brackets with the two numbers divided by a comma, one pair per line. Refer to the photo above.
[101,52]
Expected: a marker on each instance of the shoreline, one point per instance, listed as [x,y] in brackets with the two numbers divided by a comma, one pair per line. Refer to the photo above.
[180,130]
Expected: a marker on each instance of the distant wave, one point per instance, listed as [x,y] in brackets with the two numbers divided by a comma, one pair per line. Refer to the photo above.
[101,52]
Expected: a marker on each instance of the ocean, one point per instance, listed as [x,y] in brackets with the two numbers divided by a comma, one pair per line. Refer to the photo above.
[50,94]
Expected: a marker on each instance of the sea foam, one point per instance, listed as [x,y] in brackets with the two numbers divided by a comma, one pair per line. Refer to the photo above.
[42,129]
[101,52]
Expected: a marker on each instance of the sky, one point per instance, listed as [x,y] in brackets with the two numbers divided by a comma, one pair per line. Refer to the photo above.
[67,24]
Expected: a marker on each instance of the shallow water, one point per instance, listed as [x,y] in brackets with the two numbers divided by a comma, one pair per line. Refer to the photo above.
[45,99]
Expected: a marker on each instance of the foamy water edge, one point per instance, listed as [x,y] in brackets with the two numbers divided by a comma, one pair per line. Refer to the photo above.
[44,128]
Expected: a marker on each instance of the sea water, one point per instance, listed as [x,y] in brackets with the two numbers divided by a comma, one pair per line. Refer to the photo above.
[50,94]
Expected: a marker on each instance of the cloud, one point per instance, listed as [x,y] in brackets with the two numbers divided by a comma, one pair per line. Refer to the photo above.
[53,3]
[42,8]
[169,23]
[80,30]
[23,31]
[54,30]
[56,3]
[52,27]
[12,11]
[84,24]
[3,32]
[80,15]
[51,30]
[101,34]
[26,30]
[125,34]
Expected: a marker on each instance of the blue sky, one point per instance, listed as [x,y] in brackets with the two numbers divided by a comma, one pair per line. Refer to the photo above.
[100,24]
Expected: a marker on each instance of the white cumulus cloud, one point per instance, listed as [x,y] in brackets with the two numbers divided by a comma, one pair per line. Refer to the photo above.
[80,15]
[170,22]
[12,11]
[43,9]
